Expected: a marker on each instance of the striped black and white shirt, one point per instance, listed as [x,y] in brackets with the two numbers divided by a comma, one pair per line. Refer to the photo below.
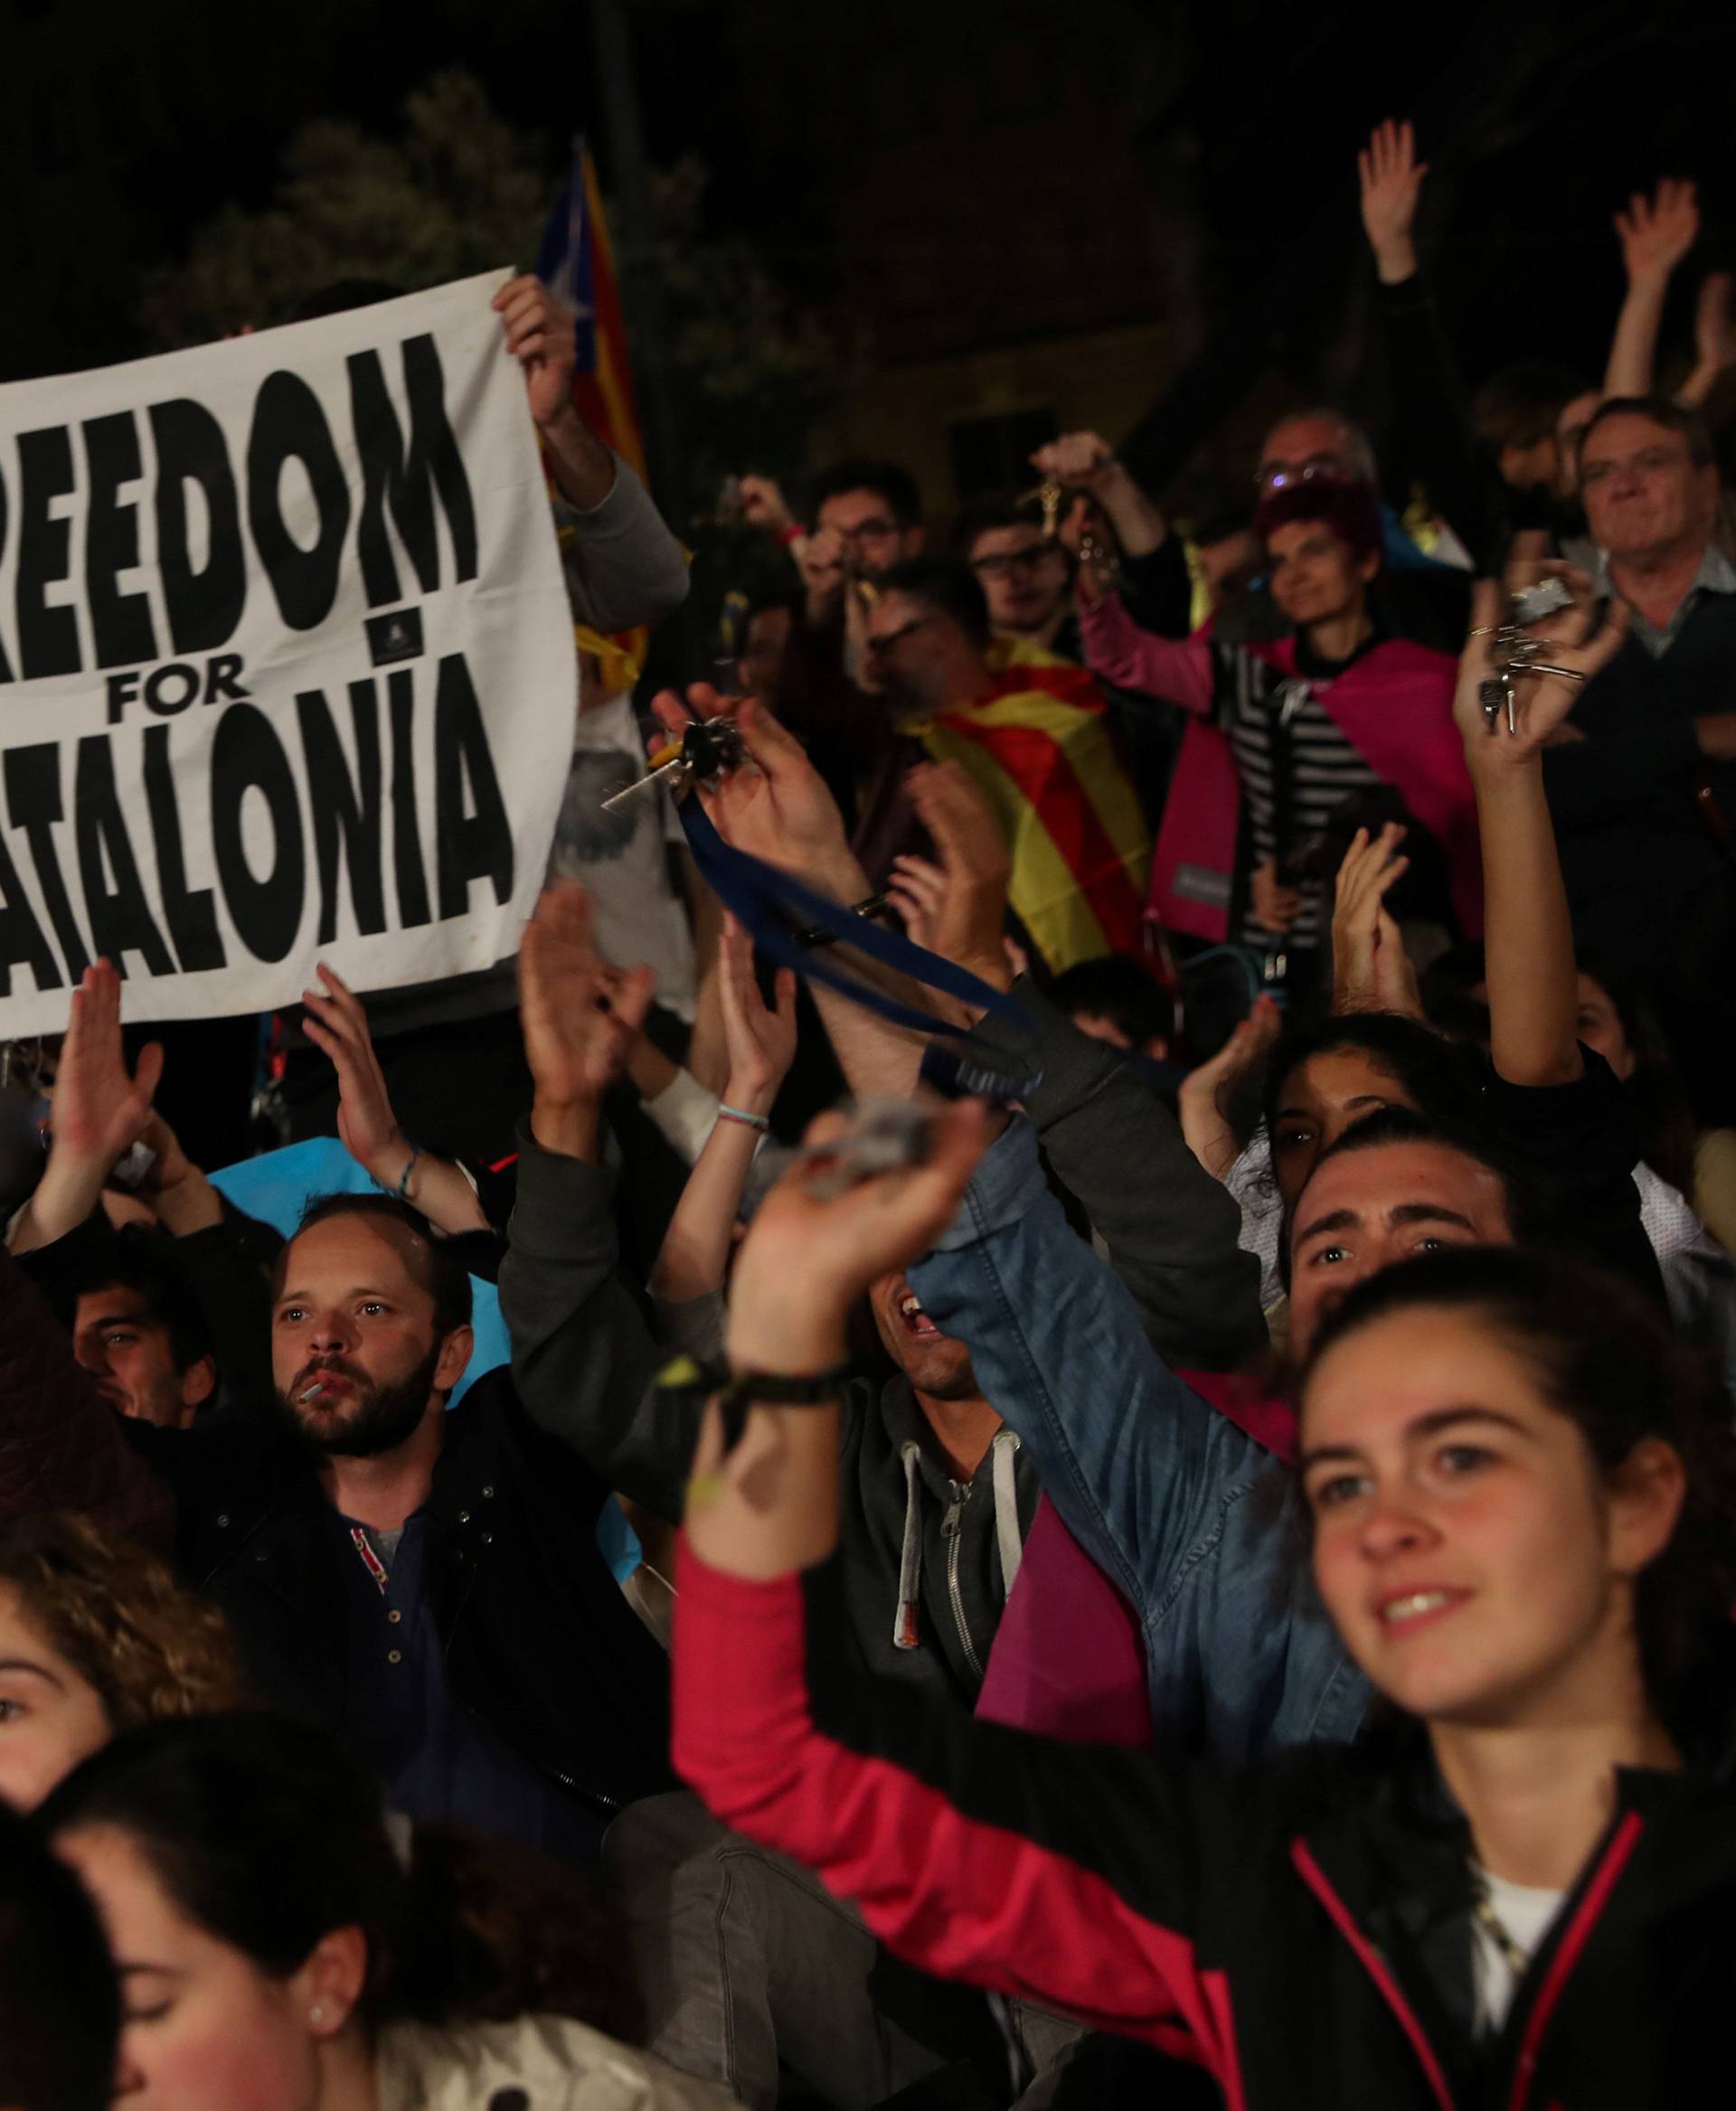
[1297,770]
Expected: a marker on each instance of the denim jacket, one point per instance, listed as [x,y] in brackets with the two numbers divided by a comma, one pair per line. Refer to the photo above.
[1197,1523]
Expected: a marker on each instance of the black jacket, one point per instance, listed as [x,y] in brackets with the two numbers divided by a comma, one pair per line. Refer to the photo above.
[538,1642]
[1300,1928]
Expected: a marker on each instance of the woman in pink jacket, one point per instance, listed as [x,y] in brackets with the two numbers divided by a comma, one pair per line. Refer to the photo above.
[1289,734]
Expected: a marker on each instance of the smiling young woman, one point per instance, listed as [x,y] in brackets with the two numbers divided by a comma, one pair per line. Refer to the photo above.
[1517,1886]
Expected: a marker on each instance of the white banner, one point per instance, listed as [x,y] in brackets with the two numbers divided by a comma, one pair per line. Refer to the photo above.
[286,665]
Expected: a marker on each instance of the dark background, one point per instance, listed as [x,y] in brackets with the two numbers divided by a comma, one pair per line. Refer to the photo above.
[934,176]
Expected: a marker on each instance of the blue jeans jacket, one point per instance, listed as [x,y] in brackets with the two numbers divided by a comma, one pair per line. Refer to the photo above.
[1197,1523]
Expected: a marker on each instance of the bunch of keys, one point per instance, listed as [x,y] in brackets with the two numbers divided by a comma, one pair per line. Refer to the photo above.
[1515,655]
[710,749]
[1049,494]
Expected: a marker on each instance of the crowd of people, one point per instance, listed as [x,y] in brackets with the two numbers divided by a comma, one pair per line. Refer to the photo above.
[1114,1477]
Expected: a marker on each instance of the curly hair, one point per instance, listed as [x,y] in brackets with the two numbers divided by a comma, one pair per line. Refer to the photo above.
[149,1648]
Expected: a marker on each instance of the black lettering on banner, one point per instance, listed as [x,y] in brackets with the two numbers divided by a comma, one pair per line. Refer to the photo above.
[390,475]
[22,943]
[48,636]
[5,665]
[204,606]
[246,754]
[409,872]
[120,623]
[190,912]
[33,806]
[477,843]
[343,807]
[288,425]
[119,916]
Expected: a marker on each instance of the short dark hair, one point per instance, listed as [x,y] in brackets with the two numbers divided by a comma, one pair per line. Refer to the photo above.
[1351,511]
[1663,410]
[1607,1360]
[60,1997]
[1519,404]
[984,516]
[946,586]
[1434,1073]
[885,479]
[1122,990]
[440,1271]
[145,1263]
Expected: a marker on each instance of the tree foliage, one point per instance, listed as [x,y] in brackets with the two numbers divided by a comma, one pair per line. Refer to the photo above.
[459,191]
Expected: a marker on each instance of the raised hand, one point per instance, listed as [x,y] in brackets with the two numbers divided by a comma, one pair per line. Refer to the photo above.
[975,865]
[820,561]
[1656,232]
[815,1256]
[1391,177]
[334,1021]
[99,1107]
[761,1042]
[777,807]
[763,504]
[539,334]
[575,1044]
[1083,461]
[1207,1086]
[1574,640]
[917,889]
[1371,970]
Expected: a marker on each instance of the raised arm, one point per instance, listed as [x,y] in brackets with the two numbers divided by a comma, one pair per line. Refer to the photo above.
[623,565]
[1655,233]
[1533,1004]
[1085,461]
[99,1111]
[696,1251]
[928,1821]
[1171,1232]
[333,1019]
[582,1356]
[1715,339]
[1178,670]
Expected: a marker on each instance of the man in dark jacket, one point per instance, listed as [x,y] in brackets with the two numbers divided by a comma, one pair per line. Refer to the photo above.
[426,1584]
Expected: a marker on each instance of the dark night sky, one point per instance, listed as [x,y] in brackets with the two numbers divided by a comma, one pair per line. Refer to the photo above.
[1524,259]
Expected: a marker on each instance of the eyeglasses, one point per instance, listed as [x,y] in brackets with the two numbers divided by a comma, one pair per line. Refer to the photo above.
[1008,561]
[884,643]
[1647,463]
[1283,476]
[868,531]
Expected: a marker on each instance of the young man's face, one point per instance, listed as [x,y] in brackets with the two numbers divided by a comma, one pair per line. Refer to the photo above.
[1023,574]
[869,530]
[355,1351]
[1363,1210]
[127,1351]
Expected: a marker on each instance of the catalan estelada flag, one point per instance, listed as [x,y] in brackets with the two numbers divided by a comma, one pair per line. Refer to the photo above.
[576,262]
[1040,748]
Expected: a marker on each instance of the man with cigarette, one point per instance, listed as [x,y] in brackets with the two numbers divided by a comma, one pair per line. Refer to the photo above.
[423,1580]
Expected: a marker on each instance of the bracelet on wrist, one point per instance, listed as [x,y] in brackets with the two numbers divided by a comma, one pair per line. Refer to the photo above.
[736,1391]
[748,1121]
[870,907]
[402,1189]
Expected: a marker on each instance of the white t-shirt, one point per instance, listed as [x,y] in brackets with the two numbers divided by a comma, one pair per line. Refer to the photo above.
[636,918]
[1525,1913]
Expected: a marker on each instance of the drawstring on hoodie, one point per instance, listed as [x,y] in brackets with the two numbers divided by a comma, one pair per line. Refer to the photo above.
[1008,1540]
[909,1559]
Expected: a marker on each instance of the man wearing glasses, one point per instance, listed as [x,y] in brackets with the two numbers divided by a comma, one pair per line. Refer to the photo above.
[1026,575]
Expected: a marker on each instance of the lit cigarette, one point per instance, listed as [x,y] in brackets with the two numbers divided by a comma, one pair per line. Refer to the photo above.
[302,1398]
